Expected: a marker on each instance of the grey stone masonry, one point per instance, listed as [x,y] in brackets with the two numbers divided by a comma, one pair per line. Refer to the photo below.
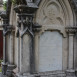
[2,75]
[68,73]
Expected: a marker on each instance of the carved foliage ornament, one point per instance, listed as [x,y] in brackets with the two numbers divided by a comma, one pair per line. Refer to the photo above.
[26,15]
[6,27]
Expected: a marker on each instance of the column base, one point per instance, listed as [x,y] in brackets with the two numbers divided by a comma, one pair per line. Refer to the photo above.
[67,73]
[42,74]
[4,68]
[76,72]
[70,73]
[24,75]
[10,69]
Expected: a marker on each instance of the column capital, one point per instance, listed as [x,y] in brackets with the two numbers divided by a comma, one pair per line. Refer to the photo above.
[7,28]
[71,30]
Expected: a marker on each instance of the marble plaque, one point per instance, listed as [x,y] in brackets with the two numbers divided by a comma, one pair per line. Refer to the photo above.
[50,51]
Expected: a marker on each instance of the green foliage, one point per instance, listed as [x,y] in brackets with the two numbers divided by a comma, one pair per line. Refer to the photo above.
[0,66]
[14,2]
[0,69]
[5,5]
[0,61]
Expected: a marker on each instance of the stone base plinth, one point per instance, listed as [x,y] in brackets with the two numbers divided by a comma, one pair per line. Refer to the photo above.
[7,69]
[4,68]
[42,74]
[70,73]
[24,75]
[10,69]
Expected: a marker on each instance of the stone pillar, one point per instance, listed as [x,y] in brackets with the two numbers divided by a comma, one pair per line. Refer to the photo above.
[7,29]
[4,48]
[71,32]
[26,29]
[36,52]
[11,65]
[71,52]
[11,48]
[4,63]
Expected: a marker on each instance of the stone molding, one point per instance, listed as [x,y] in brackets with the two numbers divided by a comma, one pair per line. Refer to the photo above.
[73,4]
[70,73]
[61,29]
[71,30]
[49,74]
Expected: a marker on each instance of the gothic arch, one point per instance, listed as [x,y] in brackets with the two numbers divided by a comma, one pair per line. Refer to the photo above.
[62,9]
[55,15]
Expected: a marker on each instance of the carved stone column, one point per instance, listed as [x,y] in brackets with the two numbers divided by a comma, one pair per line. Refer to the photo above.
[11,65]
[71,52]
[71,32]
[7,29]
[25,33]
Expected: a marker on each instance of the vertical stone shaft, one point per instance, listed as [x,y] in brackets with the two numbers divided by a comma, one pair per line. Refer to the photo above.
[71,53]
[11,36]
[26,35]
[21,48]
[21,54]
[4,49]
[36,53]
[11,48]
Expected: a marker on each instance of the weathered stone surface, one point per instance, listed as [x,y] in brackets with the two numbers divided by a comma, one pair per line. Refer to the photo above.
[26,54]
[49,74]
[1,75]
[50,51]
[70,73]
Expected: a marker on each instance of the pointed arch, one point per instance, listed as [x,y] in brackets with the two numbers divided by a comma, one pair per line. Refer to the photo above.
[66,17]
